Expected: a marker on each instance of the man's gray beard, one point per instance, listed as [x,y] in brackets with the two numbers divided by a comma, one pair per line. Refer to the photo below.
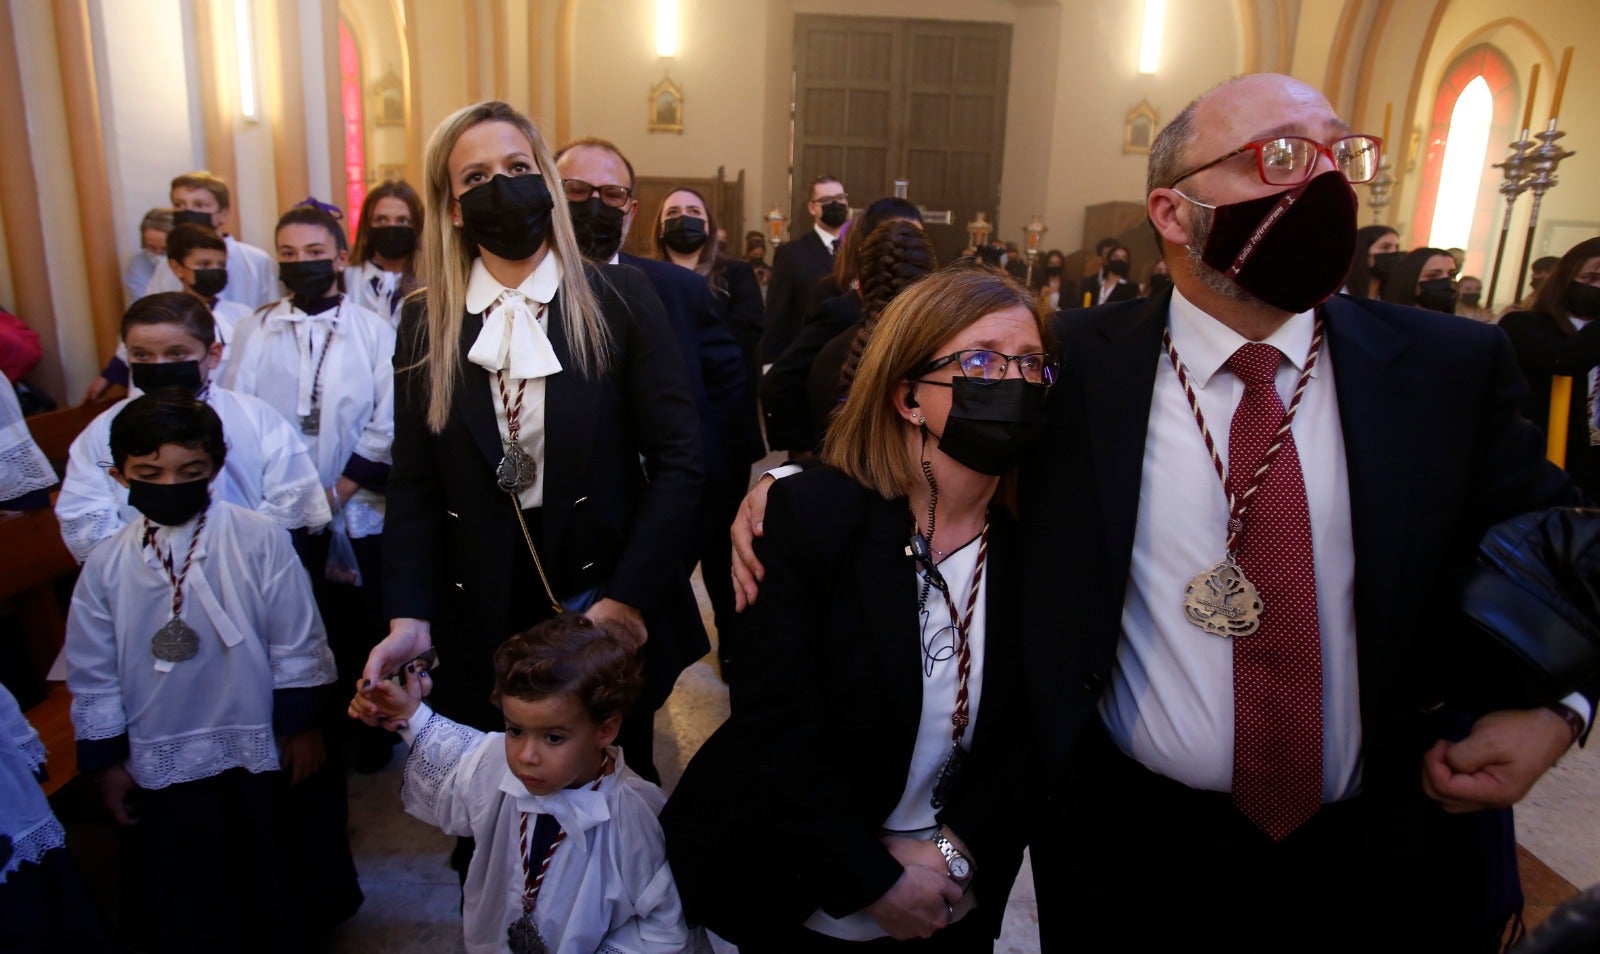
[1200,219]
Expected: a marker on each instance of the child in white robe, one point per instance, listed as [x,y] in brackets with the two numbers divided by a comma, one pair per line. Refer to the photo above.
[172,338]
[549,792]
[383,256]
[197,661]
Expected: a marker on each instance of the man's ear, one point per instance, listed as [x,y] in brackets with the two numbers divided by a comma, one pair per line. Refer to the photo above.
[1164,207]
[116,475]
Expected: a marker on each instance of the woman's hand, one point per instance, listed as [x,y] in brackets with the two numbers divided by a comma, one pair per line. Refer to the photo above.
[747,525]
[303,753]
[115,787]
[621,615]
[407,639]
[918,905]
[388,705]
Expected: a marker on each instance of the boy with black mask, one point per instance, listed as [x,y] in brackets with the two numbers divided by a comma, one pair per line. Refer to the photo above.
[197,662]
[172,343]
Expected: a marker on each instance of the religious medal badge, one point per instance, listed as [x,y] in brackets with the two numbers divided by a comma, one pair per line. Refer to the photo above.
[311,421]
[517,469]
[1221,600]
[176,641]
[523,935]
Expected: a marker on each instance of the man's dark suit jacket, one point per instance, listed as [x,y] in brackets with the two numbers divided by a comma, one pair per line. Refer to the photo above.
[796,266]
[1436,452]
[710,353]
[451,539]
[779,812]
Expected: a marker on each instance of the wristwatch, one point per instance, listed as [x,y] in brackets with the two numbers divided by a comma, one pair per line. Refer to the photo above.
[960,867]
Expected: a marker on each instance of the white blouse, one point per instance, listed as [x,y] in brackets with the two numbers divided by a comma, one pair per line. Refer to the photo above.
[514,340]
[373,288]
[275,357]
[267,470]
[23,466]
[940,677]
[608,889]
[25,816]
[248,599]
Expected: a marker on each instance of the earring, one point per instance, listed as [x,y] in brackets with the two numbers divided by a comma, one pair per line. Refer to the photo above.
[916,419]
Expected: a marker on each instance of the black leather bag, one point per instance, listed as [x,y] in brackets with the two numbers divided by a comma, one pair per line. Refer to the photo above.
[1531,606]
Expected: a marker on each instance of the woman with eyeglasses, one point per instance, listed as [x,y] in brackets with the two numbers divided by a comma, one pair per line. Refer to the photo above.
[529,387]
[867,783]
[1560,335]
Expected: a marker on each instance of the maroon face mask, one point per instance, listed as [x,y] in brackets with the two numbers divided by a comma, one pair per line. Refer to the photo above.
[1291,249]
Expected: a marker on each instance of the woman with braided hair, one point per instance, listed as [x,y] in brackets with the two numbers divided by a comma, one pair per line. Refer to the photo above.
[896,254]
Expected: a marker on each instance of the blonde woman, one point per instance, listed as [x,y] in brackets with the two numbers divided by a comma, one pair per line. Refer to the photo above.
[528,387]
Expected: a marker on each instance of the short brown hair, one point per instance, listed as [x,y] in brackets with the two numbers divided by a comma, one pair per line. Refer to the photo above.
[159,219]
[203,179]
[867,438]
[570,655]
[189,236]
[604,145]
[173,308]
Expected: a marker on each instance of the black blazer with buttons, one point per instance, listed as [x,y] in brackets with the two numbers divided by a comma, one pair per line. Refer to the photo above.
[452,536]
[796,266]
[778,813]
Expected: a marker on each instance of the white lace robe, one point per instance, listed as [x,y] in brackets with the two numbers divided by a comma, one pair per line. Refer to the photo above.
[248,599]
[267,470]
[25,816]
[274,357]
[609,890]
[23,467]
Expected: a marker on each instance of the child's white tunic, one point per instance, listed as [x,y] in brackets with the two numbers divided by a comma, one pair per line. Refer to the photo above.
[275,357]
[248,599]
[373,289]
[267,470]
[608,889]
[252,276]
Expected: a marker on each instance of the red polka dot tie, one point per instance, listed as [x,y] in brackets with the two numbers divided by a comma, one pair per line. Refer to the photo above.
[1277,670]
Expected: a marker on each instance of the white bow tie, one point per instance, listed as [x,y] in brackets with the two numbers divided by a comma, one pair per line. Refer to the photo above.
[512,340]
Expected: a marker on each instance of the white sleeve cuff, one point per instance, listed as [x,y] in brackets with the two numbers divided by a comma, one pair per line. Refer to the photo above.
[415,723]
[1577,703]
[785,470]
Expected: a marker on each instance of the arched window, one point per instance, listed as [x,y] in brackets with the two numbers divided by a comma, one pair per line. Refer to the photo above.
[1473,112]
[355,178]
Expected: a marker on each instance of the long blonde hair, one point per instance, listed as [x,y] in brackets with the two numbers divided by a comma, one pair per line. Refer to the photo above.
[867,438]
[445,262]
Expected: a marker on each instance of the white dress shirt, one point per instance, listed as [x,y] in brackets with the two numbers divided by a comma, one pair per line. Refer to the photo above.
[608,888]
[829,242]
[514,339]
[252,276]
[1170,702]
[373,289]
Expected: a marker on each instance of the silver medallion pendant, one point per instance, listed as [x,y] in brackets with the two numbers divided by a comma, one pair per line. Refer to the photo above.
[948,773]
[1222,602]
[516,470]
[523,936]
[311,424]
[175,641]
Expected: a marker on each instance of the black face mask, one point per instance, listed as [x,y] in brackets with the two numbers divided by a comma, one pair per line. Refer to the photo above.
[1383,263]
[1437,294]
[169,504]
[209,282]
[1470,298]
[1582,301]
[1117,267]
[184,375]
[1159,284]
[393,242]
[990,424]
[1291,249]
[598,228]
[684,234]
[308,280]
[191,217]
[508,216]
[835,214]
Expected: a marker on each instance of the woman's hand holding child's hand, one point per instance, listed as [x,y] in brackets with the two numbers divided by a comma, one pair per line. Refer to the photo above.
[388,705]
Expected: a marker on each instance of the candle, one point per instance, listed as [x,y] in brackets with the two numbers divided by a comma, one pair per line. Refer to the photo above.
[1561,83]
[1533,87]
[1388,113]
